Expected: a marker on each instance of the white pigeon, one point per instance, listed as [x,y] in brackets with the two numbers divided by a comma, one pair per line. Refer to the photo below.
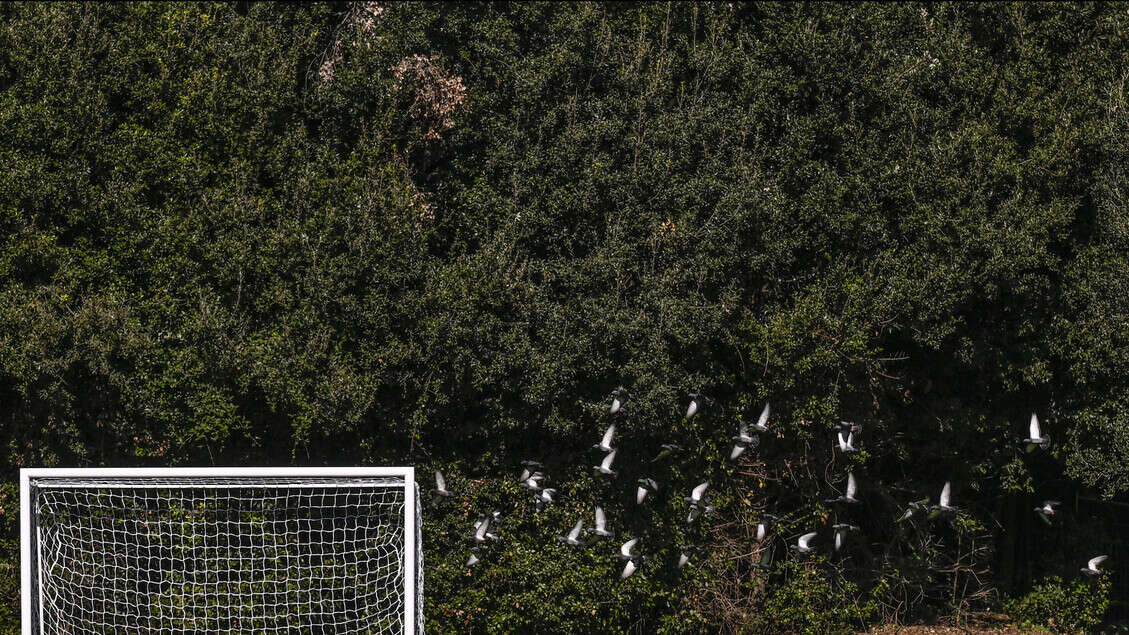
[683,560]
[605,466]
[803,545]
[692,409]
[646,486]
[1047,510]
[601,528]
[944,504]
[480,529]
[1091,567]
[695,500]
[533,483]
[544,497]
[847,443]
[852,489]
[1036,439]
[841,530]
[441,485]
[605,444]
[633,560]
[573,537]
[472,560]
[740,446]
[617,400]
[762,423]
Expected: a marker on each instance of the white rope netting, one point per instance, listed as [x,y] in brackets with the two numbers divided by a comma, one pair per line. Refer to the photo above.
[223,556]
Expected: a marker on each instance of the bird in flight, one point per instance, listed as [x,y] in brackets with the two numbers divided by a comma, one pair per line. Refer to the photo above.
[847,443]
[1091,567]
[633,560]
[803,545]
[852,489]
[667,450]
[841,530]
[762,423]
[619,397]
[573,537]
[441,486]
[692,408]
[1036,439]
[646,486]
[605,444]
[601,528]
[605,466]
[695,500]
[1047,510]
[944,504]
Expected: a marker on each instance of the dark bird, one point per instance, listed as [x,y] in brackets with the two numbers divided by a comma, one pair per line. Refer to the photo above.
[667,450]
[848,427]
[765,563]
[914,507]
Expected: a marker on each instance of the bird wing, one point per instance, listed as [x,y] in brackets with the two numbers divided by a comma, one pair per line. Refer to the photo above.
[615,405]
[440,482]
[692,408]
[737,450]
[1094,562]
[760,532]
[944,502]
[626,548]
[473,560]
[1052,504]
[852,487]
[607,463]
[763,421]
[640,494]
[851,440]
[696,494]
[608,434]
[1035,433]
[483,525]
[576,529]
[805,539]
[842,441]
[601,520]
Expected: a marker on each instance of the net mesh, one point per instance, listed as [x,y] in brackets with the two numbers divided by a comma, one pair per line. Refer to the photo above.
[223,555]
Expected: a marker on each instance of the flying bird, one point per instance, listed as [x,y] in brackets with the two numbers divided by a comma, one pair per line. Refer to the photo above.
[605,466]
[1036,439]
[692,409]
[1091,567]
[481,528]
[601,528]
[472,560]
[914,507]
[619,397]
[762,531]
[841,530]
[847,426]
[544,497]
[605,444]
[765,563]
[633,560]
[739,447]
[667,450]
[803,545]
[684,554]
[695,500]
[852,489]
[944,504]
[847,443]
[531,464]
[1047,510]
[441,485]
[573,537]
[646,486]
[762,423]
[533,482]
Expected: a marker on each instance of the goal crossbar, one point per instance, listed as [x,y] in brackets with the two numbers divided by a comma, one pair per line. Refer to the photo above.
[35,483]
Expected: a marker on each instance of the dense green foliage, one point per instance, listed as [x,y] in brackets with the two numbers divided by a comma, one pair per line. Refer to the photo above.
[440,235]
[1077,607]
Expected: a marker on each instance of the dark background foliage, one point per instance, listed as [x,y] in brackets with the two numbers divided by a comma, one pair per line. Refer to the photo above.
[440,234]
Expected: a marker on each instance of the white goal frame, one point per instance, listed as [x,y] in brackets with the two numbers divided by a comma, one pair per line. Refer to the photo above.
[31,608]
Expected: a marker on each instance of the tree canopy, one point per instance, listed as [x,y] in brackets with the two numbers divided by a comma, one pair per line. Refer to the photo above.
[441,234]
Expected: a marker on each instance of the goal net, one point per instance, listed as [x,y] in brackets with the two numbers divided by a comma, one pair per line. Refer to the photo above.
[274,550]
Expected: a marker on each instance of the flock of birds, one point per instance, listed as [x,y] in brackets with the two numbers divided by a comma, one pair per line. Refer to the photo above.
[534,480]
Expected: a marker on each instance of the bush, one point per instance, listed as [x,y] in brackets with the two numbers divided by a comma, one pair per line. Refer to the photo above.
[1060,606]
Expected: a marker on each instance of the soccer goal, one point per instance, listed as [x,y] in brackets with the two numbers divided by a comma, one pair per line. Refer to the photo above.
[220,550]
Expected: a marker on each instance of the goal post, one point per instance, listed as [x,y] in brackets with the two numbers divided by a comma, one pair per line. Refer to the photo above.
[189,550]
